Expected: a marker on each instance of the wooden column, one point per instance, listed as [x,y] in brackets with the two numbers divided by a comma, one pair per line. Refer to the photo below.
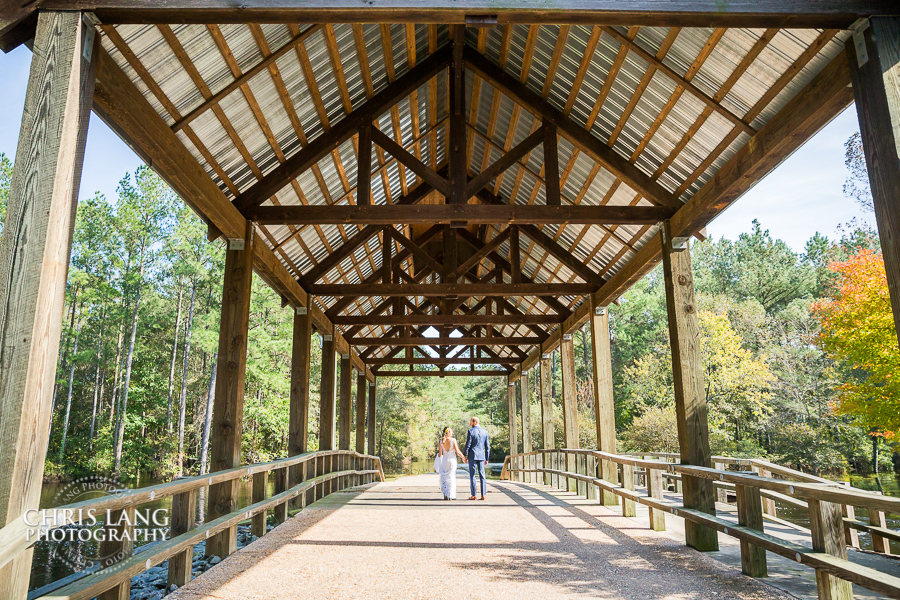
[326,401]
[298,425]
[525,398]
[570,401]
[346,406]
[511,397]
[546,387]
[361,413]
[690,393]
[826,528]
[228,405]
[604,406]
[876,87]
[370,420]
[34,261]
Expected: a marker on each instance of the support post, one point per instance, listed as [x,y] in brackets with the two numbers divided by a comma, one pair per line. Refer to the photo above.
[34,260]
[826,527]
[547,432]
[690,393]
[628,507]
[346,406]
[121,545]
[184,518]
[874,60]
[525,393]
[280,511]
[326,400]
[298,424]
[604,406]
[511,402]
[361,413]
[258,521]
[570,400]
[750,514]
[720,492]
[655,490]
[370,420]
[228,405]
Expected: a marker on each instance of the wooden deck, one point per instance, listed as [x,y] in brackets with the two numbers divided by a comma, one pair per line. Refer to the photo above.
[400,540]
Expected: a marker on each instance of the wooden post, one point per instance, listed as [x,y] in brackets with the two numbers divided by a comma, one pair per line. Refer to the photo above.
[850,534]
[183,519]
[457,117]
[34,261]
[228,405]
[570,400]
[119,546]
[826,526]
[655,490]
[547,433]
[581,469]
[326,400]
[551,165]
[690,393]
[874,59]
[749,506]
[258,521]
[346,405]
[280,511]
[767,503]
[361,413]
[879,544]
[592,472]
[604,407]
[628,507]
[720,492]
[370,420]
[525,393]
[511,402]
[298,425]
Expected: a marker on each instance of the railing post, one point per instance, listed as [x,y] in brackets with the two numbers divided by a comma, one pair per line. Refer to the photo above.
[826,526]
[768,505]
[581,469]
[720,492]
[851,536]
[554,465]
[628,507]
[879,544]
[750,515]
[655,490]
[120,547]
[592,473]
[183,519]
[258,522]
[281,510]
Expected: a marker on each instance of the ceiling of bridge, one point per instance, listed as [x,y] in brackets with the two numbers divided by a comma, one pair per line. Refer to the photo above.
[676,103]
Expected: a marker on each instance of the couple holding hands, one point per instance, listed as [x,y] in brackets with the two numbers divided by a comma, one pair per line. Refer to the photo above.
[477,451]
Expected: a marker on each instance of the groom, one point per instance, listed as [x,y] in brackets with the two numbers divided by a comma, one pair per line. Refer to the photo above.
[478,449]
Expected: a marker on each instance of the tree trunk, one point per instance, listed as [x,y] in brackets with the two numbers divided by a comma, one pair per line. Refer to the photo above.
[120,428]
[182,400]
[204,447]
[114,400]
[62,445]
[874,450]
[65,359]
[174,356]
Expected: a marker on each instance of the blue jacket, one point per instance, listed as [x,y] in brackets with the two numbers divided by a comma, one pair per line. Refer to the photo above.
[478,444]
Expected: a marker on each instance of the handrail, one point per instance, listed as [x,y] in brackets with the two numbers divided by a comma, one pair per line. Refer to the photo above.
[824,498]
[13,538]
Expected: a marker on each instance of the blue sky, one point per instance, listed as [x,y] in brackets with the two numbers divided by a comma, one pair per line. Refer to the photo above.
[801,197]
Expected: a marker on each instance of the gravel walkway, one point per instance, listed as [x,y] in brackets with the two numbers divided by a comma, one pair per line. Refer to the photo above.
[400,540]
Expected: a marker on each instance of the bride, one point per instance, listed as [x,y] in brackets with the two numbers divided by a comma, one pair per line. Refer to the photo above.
[445,463]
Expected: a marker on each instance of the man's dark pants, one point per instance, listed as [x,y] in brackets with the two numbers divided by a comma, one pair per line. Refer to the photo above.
[477,464]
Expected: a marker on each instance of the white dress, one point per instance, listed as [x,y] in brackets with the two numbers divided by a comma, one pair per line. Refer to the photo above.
[445,465]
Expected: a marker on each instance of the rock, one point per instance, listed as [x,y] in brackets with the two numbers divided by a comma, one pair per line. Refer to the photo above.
[172,588]
[253,538]
[215,560]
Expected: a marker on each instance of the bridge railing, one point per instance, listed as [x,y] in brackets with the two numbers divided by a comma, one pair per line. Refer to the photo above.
[825,501]
[318,473]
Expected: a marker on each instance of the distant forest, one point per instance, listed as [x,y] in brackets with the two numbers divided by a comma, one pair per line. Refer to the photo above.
[798,351]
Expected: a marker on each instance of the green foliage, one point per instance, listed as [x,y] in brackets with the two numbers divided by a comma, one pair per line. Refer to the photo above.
[6,171]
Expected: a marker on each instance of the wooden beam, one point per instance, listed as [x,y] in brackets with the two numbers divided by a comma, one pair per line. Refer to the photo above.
[548,435]
[455,319]
[364,166]
[525,401]
[482,252]
[604,405]
[415,249]
[569,401]
[335,258]
[460,360]
[460,289]
[341,131]
[228,404]
[326,394]
[561,254]
[511,405]
[451,341]
[575,133]
[457,107]
[520,151]
[551,165]
[361,413]
[426,173]
[445,373]
[458,213]
[876,85]
[345,404]
[34,260]
[370,418]
[690,390]
[515,255]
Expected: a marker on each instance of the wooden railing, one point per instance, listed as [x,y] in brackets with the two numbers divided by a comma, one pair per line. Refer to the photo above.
[318,473]
[827,504]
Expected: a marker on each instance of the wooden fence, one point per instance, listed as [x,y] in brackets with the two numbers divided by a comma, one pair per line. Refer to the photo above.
[318,473]
[830,505]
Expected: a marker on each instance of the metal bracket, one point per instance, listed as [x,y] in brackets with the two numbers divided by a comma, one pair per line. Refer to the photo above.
[600,310]
[301,310]
[327,338]
[567,336]
[90,22]
[680,243]
[545,355]
[859,41]
[236,243]
[345,356]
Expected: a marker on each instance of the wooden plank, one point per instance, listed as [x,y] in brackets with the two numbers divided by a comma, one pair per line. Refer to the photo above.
[440,319]
[326,393]
[690,391]
[575,133]
[826,528]
[461,289]
[457,213]
[604,406]
[345,422]
[34,260]
[361,413]
[749,505]
[458,360]
[228,404]
[370,418]
[183,519]
[876,86]
[551,164]
[341,131]
[453,341]
[569,400]
[445,373]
